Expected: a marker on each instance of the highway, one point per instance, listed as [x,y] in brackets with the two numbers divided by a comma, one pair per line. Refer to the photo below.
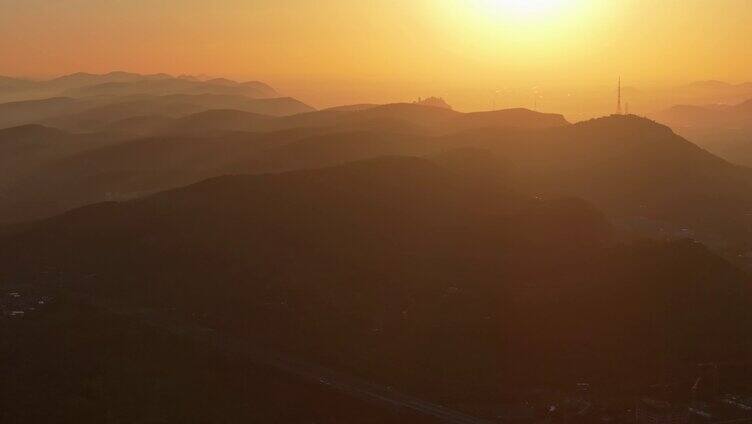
[344,383]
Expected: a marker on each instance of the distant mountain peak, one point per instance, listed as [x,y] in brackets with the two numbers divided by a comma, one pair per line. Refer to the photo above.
[118,73]
[624,119]
[353,107]
[30,129]
[124,83]
[631,125]
[74,76]
[222,81]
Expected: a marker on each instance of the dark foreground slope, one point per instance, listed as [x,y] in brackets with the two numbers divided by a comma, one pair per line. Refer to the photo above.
[77,364]
[405,272]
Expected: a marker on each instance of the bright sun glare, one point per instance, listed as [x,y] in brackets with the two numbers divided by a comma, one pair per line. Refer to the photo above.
[529,8]
[521,29]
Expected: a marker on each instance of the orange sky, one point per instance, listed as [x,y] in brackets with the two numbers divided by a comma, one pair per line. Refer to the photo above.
[330,52]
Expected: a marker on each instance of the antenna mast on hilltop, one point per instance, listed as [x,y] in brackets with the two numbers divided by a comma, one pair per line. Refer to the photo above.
[618,99]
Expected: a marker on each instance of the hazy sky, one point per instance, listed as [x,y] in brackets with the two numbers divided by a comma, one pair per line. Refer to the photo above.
[340,51]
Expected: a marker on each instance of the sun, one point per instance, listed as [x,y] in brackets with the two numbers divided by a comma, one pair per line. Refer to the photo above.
[526,8]
[518,32]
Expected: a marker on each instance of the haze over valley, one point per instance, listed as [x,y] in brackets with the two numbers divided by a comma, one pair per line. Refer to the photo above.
[381,223]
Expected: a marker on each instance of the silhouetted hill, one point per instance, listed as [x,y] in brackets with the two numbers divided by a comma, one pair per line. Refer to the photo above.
[116,167]
[173,86]
[190,149]
[176,106]
[82,79]
[405,272]
[25,150]
[123,84]
[35,111]
[202,145]
[639,172]
[712,116]
[331,148]
[726,130]
[512,118]
[92,119]
[17,142]
[480,164]
[96,113]
[439,120]
[411,118]
[23,133]
[140,126]
[10,85]
[278,106]
[218,120]
[630,167]
[352,108]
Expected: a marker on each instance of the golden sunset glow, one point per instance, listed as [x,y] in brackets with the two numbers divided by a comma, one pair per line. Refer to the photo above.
[332,52]
[376,211]
[525,8]
[522,18]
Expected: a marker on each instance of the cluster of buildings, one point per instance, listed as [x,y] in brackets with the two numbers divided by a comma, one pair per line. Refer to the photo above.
[727,409]
[705,405]
[699,400]
[16,304]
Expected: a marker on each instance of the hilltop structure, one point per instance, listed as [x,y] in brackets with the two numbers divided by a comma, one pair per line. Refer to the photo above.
[434,102]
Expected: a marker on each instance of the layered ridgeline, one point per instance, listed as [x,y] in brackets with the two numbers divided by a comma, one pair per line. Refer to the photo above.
[125,83]
[724,129]
[162,152]
[86,114]
[88,102]
[640,173]
[644,176]
[405,271]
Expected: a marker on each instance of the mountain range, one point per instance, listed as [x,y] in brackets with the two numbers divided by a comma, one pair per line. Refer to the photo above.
[404,271]
[724,129]
[418,247]
[640,173]
[147,154]
[125,83]
[94,113]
